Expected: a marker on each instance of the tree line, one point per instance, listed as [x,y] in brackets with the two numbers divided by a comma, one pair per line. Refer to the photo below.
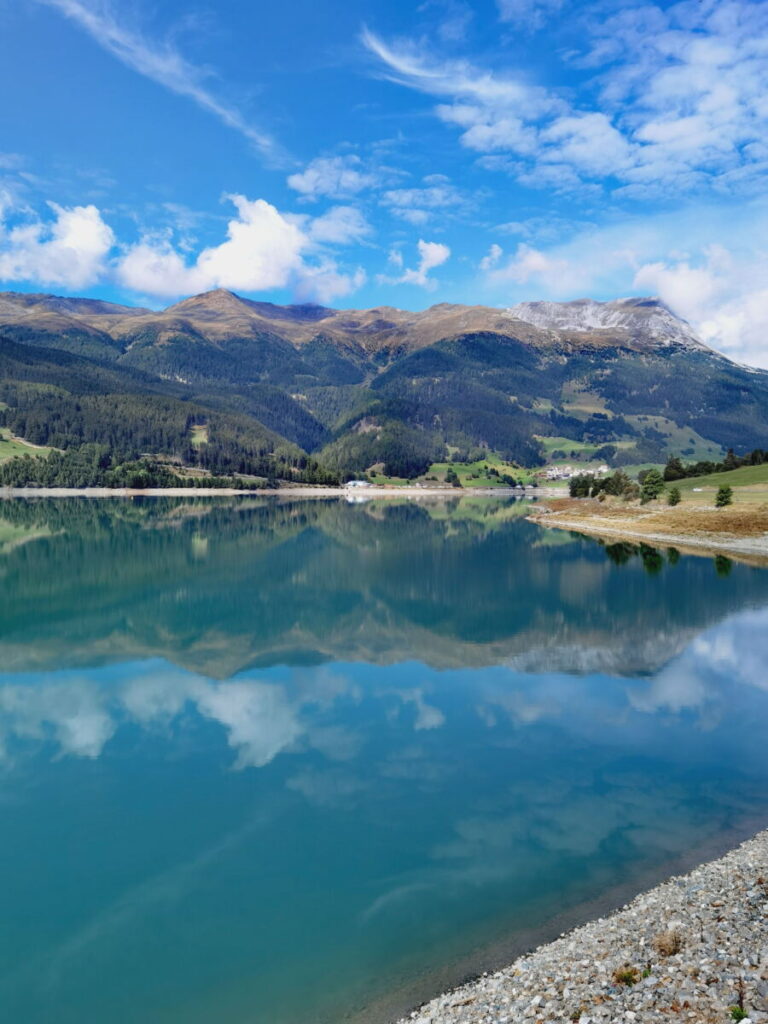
[676,470]
[95,465]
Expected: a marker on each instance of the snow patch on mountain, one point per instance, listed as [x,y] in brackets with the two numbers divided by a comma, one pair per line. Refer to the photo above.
[646,320]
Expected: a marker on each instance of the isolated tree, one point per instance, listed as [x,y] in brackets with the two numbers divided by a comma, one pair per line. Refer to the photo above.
[724,497]
[651,487]
[579,486]
[674,469]
[673,498]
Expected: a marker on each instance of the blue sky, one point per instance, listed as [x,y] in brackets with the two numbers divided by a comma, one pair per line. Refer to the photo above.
[365,153]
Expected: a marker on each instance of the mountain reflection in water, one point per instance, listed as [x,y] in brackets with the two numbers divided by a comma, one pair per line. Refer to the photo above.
[279,761]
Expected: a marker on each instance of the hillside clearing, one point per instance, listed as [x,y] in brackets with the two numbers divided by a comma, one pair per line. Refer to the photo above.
[11,446]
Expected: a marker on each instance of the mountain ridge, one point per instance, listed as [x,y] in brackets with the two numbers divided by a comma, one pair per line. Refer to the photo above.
[381,387]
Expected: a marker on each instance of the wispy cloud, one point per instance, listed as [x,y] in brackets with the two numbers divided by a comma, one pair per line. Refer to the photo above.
[527,14]
[336,177]
[678,104]
[161,62]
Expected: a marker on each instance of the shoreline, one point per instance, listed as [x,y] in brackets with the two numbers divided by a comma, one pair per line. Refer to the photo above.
[685,528]
[291,492]
[717,912]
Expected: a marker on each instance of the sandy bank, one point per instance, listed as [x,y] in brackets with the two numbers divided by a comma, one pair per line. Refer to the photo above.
[739,530]
[688,950]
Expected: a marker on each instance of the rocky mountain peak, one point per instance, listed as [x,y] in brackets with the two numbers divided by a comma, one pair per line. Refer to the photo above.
[643,319]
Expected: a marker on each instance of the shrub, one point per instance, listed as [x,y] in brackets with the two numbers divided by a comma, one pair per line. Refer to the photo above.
[626,975]
[724,497]
[668,943]
[673,498]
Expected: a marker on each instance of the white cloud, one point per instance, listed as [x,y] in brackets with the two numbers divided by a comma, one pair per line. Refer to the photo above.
[431,255]
[417,205]
[681,103]
[264,249]
[324,282]
[586,142]
[533,265]
[410,66]
[69,252]
[530,14]
[339,226]
[489,261]
[159,61]
[395,257]
[717,284]
[723,295]
[336,177]
[453,18]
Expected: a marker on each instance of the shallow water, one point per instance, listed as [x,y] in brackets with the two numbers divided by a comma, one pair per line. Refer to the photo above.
[279,762]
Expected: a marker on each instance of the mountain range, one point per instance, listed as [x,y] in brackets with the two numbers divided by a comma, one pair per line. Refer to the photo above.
[234,385]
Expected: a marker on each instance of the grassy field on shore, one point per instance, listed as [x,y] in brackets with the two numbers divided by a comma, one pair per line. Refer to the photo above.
[750,484]
[10,447]
[740,529]
[470,474]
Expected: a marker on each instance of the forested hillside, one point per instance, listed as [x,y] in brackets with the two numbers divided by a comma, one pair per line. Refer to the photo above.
[229,386]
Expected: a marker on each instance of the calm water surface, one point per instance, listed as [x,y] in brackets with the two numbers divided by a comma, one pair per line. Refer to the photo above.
[266,762]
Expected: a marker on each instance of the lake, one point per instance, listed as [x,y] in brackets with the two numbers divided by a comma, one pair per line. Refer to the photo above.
[278,762]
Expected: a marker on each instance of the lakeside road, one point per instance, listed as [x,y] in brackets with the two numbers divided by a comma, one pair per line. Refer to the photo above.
[691,949]
[738,530]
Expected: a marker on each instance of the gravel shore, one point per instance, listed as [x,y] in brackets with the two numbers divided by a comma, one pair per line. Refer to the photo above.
[694,949]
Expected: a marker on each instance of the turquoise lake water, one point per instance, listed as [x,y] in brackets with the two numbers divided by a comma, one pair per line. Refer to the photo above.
[269,762]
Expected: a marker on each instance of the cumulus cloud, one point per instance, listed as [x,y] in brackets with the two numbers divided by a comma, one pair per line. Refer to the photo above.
[159,61]
[264,249]
[336,177]
[431,255]
[718,288]
[722,294]
[70,251]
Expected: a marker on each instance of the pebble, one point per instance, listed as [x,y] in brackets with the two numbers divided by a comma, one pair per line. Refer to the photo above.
[719,912]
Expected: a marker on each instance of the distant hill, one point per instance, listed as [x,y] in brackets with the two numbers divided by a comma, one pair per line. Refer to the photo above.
[357,388]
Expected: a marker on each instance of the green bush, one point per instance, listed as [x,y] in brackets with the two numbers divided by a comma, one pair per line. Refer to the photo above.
[724,497]
[651,486]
